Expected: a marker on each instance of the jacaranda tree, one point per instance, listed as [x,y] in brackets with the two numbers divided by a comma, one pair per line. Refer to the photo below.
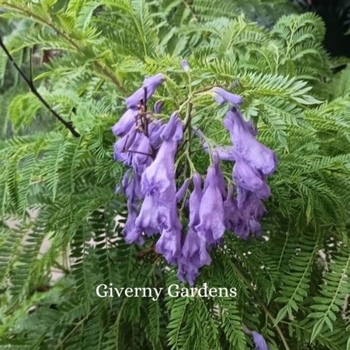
[186,147]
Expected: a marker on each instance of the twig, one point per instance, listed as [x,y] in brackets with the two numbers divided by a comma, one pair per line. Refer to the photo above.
[29,82]
[188,117]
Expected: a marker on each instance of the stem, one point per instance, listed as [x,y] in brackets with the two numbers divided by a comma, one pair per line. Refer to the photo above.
[29,82]
[187,121]
[193,94]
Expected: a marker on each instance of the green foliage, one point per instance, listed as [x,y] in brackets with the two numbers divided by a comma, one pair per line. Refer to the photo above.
[291,286]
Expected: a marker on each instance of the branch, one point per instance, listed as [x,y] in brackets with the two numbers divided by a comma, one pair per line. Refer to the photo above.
[29,82]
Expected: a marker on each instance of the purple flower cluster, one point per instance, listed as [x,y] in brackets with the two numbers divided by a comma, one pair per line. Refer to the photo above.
[149,147]
[253,162]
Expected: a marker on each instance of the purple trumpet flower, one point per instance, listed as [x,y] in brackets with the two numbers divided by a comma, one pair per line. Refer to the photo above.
[223,95]
[259,341]
[125,183]
[195,200]
[219,176]
[160,175]
[211,212]
[169,244]
[148,88]
[151,154]
[158,182]
[193,256]
[242,196]
[257,155]
[125,123]
[157,217]
[194,253]
[134,149]
[219,99]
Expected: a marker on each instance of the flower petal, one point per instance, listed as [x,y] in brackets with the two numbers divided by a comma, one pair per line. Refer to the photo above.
[259,341]
[169,245]
[228,96]
[125,123]
[158,106]
[148,88]
[193,256]
[180,194]
[147,219]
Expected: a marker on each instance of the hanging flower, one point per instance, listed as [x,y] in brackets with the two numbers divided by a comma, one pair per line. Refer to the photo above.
[211,211]
[132,186]
[193,256]
[194,252]
[169,243]
[255,154]
[160,175]
[147,219]
[180,194]
[259,341]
